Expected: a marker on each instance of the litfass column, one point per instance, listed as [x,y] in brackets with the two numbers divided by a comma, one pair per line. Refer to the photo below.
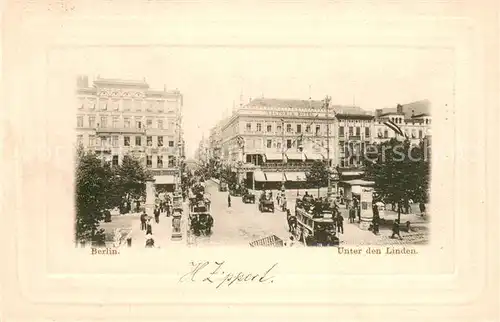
[150,197]
[366,207]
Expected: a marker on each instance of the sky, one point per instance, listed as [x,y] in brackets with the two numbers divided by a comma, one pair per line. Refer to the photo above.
[211,79]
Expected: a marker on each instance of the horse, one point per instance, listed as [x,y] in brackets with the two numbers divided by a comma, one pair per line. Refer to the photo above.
[292,222]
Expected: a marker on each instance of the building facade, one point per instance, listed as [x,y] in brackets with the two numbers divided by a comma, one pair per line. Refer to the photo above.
[275,140]
[119,117]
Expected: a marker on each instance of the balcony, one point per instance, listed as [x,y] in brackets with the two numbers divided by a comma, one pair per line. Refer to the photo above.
[102,149]
[118,130]
[354,137]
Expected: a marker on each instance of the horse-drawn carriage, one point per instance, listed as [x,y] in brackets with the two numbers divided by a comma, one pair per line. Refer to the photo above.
[200,219]
[248,197]
[266,202]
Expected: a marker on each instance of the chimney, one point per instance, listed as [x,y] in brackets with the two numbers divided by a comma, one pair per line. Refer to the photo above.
[378,112]
[412,113]
[82,81]
[399,108]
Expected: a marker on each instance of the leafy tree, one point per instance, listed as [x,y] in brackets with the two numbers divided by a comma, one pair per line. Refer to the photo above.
[93,184]
[318,174]
[131,178]
[400,172]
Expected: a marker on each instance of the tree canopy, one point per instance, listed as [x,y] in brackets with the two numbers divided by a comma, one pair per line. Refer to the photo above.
[400,171]
[318,174]
[132,177]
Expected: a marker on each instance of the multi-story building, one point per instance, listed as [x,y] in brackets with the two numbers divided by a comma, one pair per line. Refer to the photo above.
[275,140]
[119,117]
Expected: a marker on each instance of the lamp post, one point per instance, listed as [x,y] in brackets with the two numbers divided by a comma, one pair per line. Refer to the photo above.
[327,106]
[283,155]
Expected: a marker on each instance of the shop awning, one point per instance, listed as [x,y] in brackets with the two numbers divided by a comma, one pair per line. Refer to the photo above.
[295,176]
[165,179]
[352,173]
[274,176]
[294,156]
[273,156]
[314,156]
[259,176]
[359,182]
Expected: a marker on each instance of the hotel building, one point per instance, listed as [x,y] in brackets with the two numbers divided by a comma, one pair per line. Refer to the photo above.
[270,140]
[119,117]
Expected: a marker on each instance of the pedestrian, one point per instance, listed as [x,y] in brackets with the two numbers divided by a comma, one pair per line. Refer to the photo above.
[150,242]
[395,229]
[143,220]
[340,223]
[149,228]
[422,209]
[157,214]
[284,205]
[376,223]
[229,200]
[352,215]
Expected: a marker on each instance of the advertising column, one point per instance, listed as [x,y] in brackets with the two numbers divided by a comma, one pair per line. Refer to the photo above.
[150,197]
[366,207]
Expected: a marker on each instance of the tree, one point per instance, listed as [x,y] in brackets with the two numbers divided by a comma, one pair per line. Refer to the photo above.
[131,178]
[318,174]
[93,184]
[400,172]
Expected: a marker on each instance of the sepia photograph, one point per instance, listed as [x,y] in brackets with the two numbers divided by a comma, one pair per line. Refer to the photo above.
[255,148]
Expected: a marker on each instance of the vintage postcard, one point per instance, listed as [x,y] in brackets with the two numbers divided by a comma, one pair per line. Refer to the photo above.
[169,161]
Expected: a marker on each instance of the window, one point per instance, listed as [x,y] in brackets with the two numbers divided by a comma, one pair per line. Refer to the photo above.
[171,144]
[103,105]
[114,141]
[116,105]
[299,128]
[419,134]
[149,123]
[138,141]
[289,128]
[341,131]
[126,140]
[160,124]
[278,128]
[160,141]
[149,140]
[104,121]
[91,121]
[126,122]
[249,126]
[115,160]
[288,144]
[269,143]
[171,161]
[127,105]
[105,141]
[138,123]
[308,128]
[386,134]
[115,121]
[269,128]
[138,105]
[79,140]
[259,127]
[318,129]
[159,161]
[278,145]
[160,105]
[358,131]
[79,121]
[149,161]
[149,106]
[367,132]
[351,130]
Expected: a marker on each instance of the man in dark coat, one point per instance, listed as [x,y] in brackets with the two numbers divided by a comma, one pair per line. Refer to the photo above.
[395,229]
[149,228]
[143,220]
[352,214]
[229,200]
[157,214]
[340,223]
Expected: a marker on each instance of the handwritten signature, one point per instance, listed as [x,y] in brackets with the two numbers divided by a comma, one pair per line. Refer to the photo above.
[214,273]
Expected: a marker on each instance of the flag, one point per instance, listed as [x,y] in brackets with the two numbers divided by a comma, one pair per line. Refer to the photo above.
[393,126]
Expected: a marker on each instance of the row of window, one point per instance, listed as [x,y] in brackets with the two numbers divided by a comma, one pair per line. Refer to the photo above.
[128,122]
[113,141]
[351,131]
[400,120]
[149,161]
[126,104]
[269,128]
